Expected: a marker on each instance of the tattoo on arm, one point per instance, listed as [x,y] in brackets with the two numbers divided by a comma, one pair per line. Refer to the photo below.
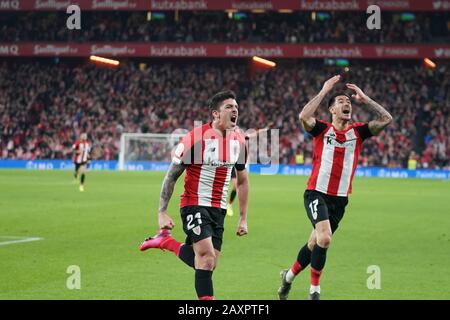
[174,172]
[384,118]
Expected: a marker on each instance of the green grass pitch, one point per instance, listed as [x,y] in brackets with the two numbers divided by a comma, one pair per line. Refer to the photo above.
[402,226]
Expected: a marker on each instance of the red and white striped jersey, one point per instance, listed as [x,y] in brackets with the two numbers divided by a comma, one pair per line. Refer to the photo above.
[209,159]
[82,150]
[335,157]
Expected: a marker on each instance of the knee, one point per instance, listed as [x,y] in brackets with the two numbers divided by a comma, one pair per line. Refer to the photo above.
[207,260]
[311,244]
[324,240]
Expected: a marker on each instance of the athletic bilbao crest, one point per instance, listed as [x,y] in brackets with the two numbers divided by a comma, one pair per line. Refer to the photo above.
[197,230]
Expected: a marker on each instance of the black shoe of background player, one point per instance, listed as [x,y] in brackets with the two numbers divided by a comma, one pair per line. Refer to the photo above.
[314,296]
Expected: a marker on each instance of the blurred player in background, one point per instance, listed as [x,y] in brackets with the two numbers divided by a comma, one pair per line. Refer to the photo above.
[208,154]
[337,146]
[81,155]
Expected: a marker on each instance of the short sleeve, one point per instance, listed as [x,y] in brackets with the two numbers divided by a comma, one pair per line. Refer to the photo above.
[318,128]
[243,157]
[364,131]
[182,152]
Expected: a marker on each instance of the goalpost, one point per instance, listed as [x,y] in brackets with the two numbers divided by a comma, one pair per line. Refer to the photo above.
[152,147]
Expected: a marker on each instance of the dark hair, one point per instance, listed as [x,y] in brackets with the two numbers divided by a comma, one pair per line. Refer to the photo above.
[334,96]
[216,100]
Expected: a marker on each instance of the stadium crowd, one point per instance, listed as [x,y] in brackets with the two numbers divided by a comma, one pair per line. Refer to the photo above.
[297,27]
[44,105]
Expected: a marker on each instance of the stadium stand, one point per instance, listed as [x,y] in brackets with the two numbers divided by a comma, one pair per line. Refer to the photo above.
[213,27]
[45,104]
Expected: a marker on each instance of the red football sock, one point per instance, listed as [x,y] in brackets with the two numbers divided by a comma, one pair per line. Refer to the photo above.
[172,245]
[296,268]
[315,277]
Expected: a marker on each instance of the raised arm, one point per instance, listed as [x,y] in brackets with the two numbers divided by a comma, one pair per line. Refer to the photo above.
[307,113]
[242,193]
[383,119]
[174,172]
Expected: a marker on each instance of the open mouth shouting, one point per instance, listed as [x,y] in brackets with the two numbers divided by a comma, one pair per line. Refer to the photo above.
[346,111]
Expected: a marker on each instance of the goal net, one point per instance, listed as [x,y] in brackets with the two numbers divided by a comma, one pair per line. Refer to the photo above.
[151,147]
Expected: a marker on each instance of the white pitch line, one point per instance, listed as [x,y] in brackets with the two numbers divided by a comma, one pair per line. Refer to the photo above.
[19,240]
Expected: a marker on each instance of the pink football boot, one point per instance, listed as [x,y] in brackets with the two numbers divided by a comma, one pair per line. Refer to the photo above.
[155,241]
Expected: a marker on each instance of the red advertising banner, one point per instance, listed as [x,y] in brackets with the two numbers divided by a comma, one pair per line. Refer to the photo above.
[205,50]
[387,5]
[52,5]
[145,5]
[242,5]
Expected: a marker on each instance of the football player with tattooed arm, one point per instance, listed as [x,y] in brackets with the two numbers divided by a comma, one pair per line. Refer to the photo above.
[337,146]
[208,154]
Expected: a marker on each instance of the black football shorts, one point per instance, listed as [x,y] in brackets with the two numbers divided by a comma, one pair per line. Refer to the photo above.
[78,165]
[202,222]
[320,206]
